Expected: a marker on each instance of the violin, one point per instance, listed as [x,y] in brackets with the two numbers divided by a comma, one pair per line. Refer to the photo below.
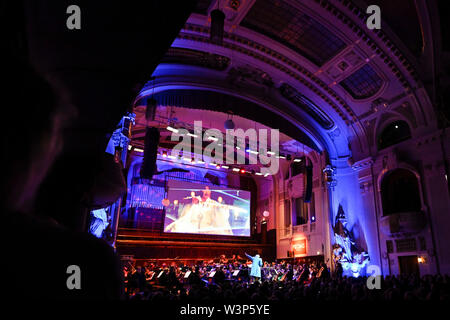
[280,276]
[301,275]
[150,275]
[283,278]
[319,274]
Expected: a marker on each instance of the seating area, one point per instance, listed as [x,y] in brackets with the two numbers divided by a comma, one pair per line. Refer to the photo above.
[280,282]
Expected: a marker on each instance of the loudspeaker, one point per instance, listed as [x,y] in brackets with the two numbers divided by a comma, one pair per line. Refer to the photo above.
[148,168]
[308,191]
[151,109]
[217,24]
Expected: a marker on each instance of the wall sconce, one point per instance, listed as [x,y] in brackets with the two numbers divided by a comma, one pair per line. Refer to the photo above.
[421,259]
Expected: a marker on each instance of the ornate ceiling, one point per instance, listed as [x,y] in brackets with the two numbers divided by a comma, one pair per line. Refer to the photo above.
[313,62]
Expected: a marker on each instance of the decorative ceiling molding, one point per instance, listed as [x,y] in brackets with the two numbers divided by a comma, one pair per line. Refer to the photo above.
[380,34]
[243,74]
[217,101]
[290,25]
[304,76]
[307,105]
[362,84]
[196,58]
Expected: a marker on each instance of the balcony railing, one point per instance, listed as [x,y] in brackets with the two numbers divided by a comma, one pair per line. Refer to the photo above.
[403,223]
[286,232]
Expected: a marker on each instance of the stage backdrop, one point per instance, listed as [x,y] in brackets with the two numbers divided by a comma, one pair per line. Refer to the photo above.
[201,209]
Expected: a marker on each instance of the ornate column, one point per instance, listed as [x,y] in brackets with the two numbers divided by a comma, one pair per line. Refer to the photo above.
[371,211]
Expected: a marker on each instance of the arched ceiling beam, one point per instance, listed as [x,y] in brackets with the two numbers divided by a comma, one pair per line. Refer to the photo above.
[273,114]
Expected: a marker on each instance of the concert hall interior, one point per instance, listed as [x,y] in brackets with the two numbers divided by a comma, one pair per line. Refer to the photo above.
[192,133]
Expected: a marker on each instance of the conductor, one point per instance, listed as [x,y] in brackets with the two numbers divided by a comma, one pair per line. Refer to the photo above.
[255,271]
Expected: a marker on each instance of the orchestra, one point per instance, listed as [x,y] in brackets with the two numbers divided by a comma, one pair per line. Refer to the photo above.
[235,269]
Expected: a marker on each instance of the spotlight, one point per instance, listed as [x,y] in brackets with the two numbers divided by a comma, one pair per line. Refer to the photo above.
[164,154]
[243,171]
[218,166]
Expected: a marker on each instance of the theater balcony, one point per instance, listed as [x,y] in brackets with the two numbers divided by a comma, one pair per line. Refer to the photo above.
[403,223]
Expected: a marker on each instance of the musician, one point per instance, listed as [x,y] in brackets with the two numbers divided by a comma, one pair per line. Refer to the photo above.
[304,275]
[172,279]
[195,276]
[219,276]
[133,279]
[140,278]
[223,259]
[234,259]
[255,271]
[290,273]
[323,273]
[313,271]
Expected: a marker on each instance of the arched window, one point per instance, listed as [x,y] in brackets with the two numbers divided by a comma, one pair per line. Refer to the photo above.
[400,192]
[394,133]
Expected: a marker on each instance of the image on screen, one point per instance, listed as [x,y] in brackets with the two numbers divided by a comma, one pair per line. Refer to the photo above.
[199,209]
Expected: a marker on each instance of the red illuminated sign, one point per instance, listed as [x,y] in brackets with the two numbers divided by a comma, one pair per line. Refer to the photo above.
[299,247]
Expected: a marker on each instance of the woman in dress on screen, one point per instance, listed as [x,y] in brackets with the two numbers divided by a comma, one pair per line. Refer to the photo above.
[204,215]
